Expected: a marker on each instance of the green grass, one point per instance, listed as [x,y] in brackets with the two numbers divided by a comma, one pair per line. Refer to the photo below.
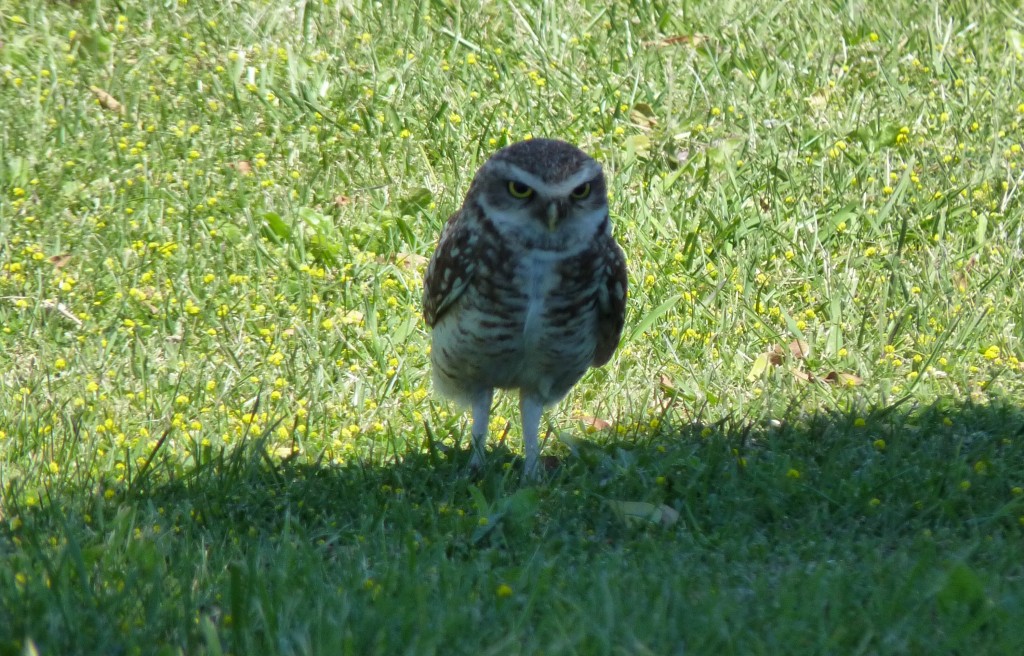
[216,428]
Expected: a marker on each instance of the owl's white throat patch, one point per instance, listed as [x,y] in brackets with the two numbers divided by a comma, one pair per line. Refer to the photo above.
[540,279]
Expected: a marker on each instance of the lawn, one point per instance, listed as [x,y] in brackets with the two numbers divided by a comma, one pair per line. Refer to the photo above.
[217,433]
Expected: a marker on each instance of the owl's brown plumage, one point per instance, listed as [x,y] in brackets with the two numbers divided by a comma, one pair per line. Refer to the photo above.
[527,288]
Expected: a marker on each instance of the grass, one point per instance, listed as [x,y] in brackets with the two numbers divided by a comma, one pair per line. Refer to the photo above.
[216,431]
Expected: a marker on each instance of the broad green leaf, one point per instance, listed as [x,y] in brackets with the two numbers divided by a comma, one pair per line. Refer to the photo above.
[760,365]
[637,146]
[277,225]
[981,230]
[963,587]
[231,233]
[834,339]
[725,152]
[1016,41]
[324,250]
[416,201]
[875,137]
[317,222]
[653,316]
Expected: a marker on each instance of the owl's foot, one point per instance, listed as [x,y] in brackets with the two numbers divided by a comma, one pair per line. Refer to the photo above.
[477,460]
[530,409]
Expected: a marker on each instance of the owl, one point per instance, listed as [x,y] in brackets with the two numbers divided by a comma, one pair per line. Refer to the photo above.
[527,287]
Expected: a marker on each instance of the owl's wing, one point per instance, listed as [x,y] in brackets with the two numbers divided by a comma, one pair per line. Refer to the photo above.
[450,270]
[611,301]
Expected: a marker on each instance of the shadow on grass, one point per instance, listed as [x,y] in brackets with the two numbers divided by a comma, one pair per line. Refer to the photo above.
[893,532]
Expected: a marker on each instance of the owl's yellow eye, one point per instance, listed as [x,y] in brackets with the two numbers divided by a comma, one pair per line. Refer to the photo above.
[581,192]
[519,190]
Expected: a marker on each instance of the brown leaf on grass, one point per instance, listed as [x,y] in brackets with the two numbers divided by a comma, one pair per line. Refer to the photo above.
[802,375]
[817,102]
[799,349]
[962,277]
[642,512]
[667,384]
[341,200]
[550,463]
[776,355]
[693,40]
[62,310]
[593,424]
[107,101]
[837,378]
[242,166]
[642,115]
[59,261]
[408,261]
[286,453]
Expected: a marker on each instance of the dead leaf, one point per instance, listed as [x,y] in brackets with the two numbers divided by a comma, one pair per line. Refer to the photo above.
[837,378]
[352,317]
[61,309]
[550,463]
[642,115]
[633,512]
[801,375]
[410,261]
[693,40]
[107,101]
[775,356]
[341,200]
[667,384]
[799,349]
[593,424]
[962,277]
[60,261]
[286,452]
[818,101]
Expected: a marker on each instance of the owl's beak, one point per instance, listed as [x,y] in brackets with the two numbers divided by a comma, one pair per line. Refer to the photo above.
[556,212]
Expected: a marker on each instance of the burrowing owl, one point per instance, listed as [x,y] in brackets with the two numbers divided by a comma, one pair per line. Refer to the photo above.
[527,287]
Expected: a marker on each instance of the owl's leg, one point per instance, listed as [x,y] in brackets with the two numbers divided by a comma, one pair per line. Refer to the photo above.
[530,411]
[481,409]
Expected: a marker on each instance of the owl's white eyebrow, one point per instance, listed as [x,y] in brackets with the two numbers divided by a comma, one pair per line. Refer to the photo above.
[586,173]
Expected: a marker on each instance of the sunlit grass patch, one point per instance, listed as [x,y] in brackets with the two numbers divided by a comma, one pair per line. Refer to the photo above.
[215,415]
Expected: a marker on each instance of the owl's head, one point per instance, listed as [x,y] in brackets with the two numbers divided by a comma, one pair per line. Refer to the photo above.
[543,193]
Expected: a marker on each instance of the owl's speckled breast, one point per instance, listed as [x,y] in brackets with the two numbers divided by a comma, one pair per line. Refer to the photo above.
[534,329]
